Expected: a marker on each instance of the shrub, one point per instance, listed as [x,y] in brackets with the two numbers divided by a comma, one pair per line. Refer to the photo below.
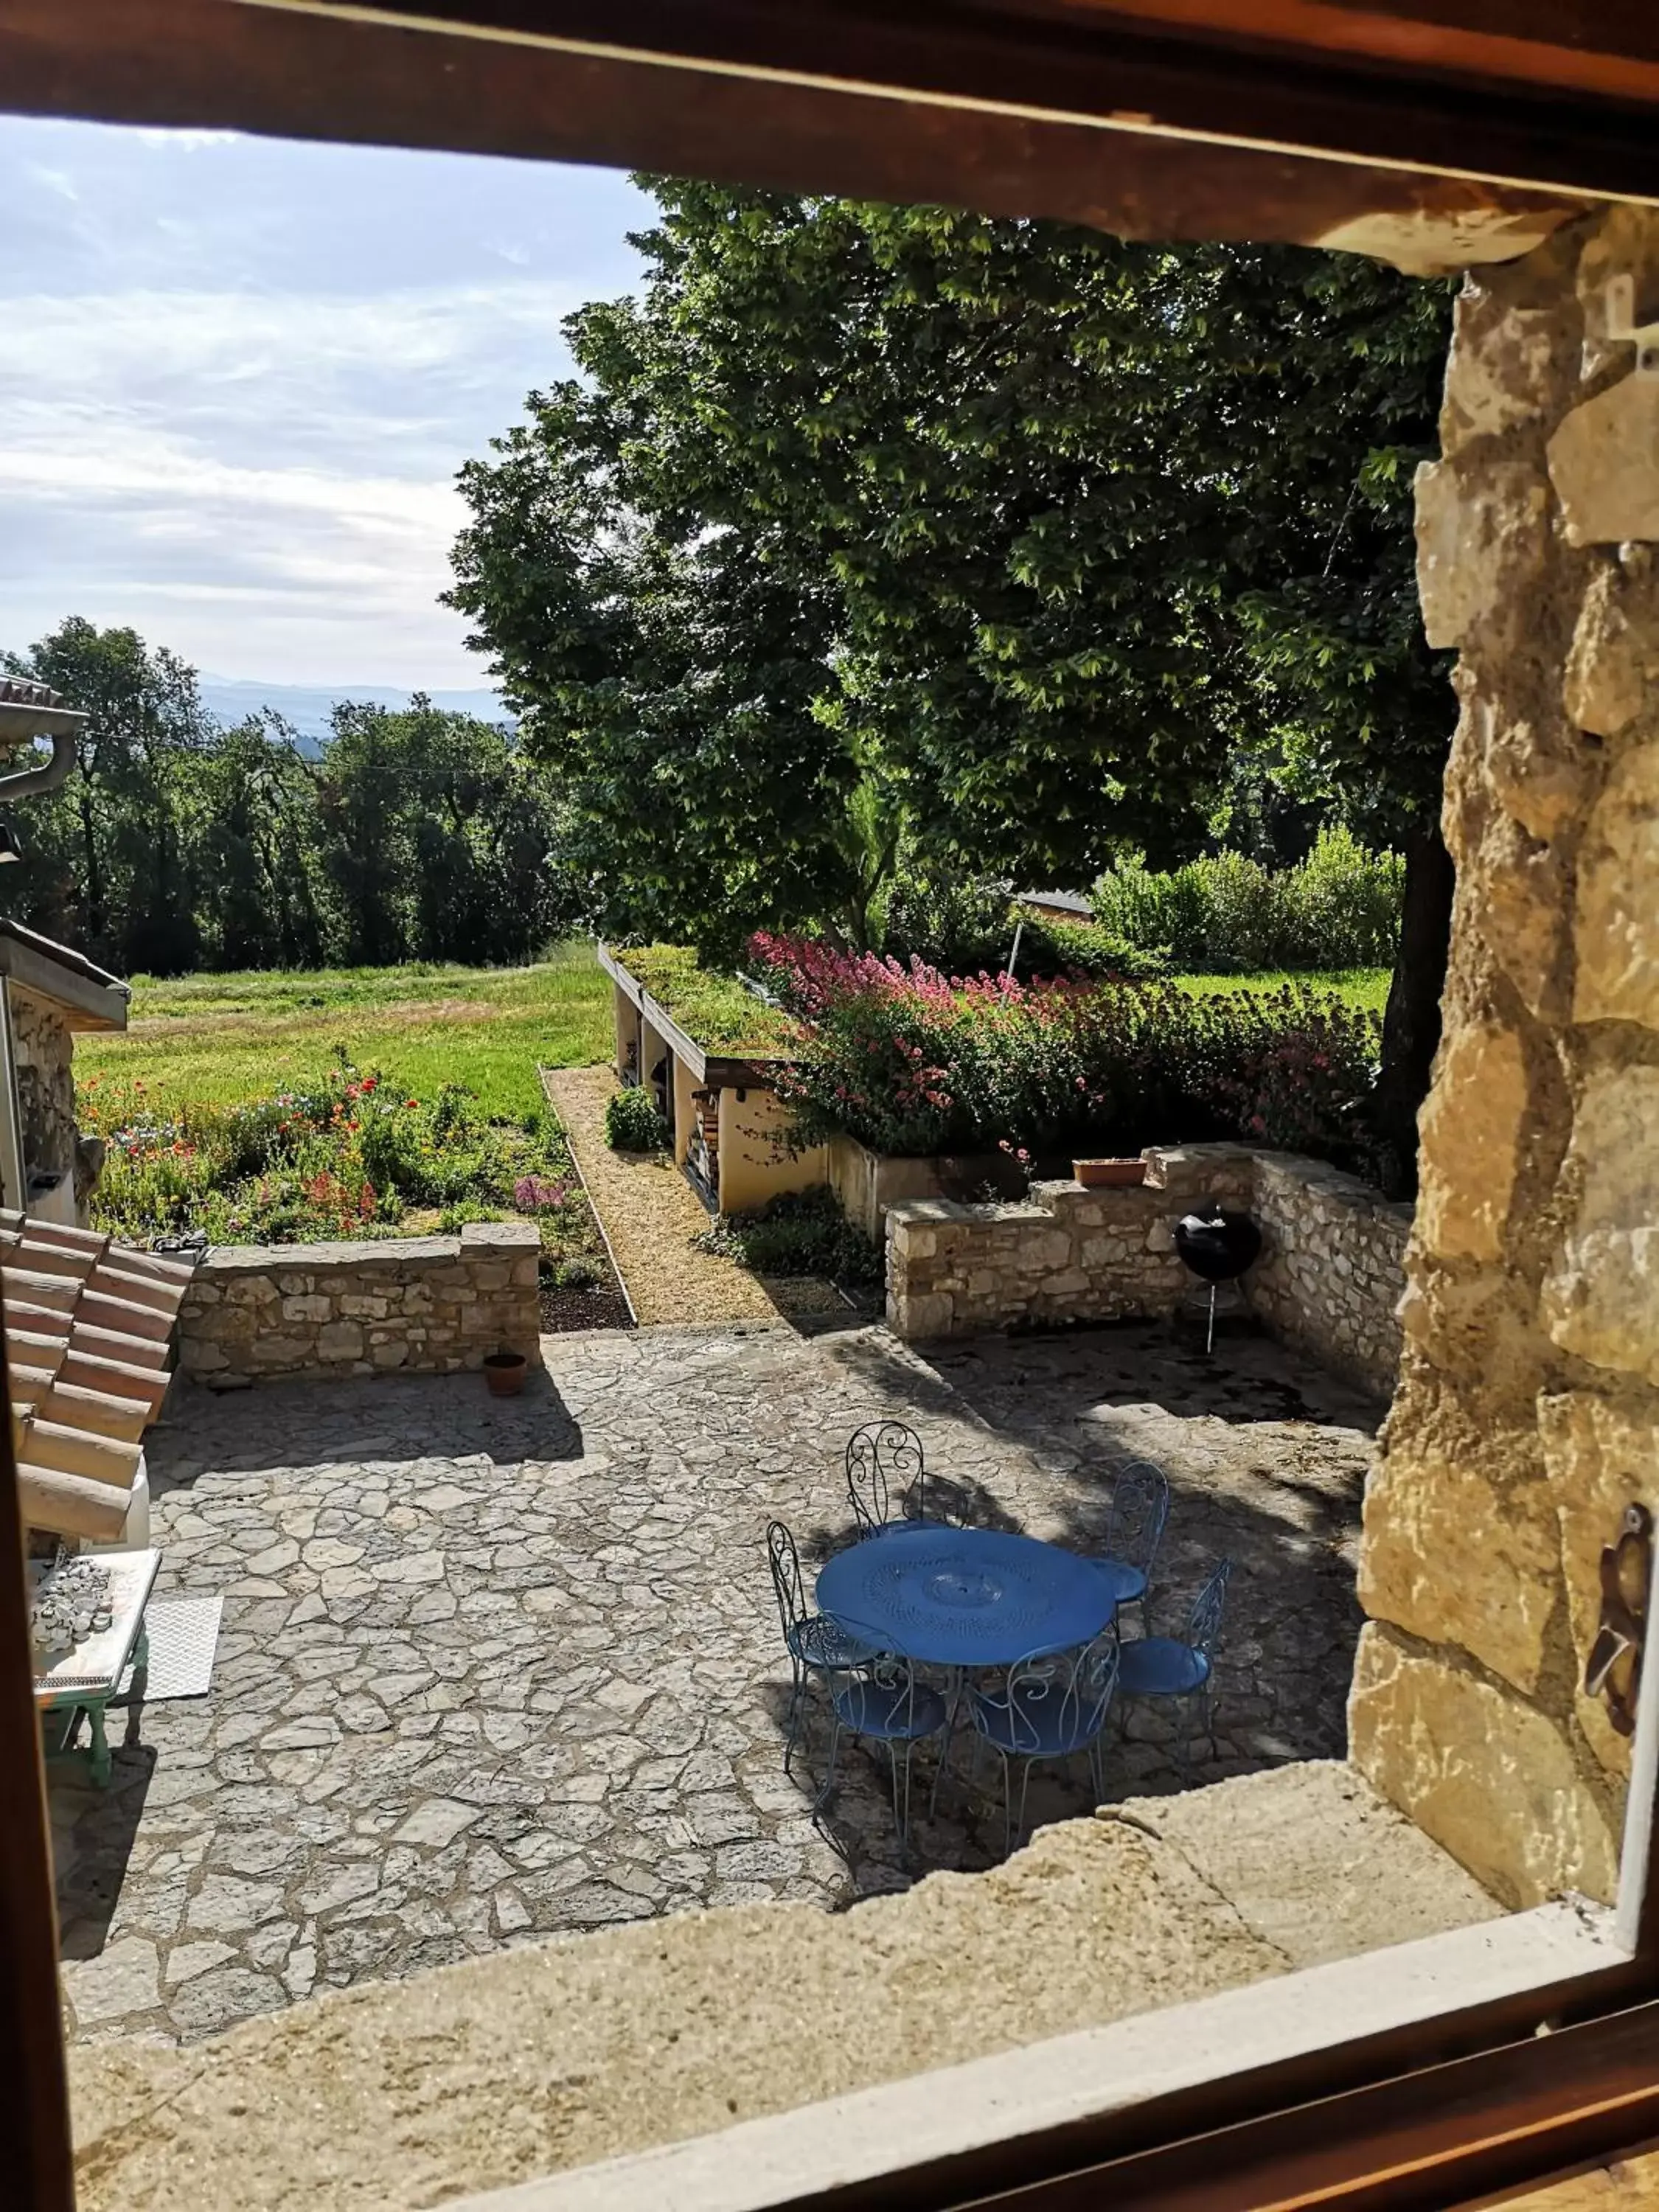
[959,923]
[803,1233]
[1052,947]
[632,1123]
[911,1061]
[1228,914]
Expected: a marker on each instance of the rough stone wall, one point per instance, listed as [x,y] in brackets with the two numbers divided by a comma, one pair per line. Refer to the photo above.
[1332,1266]
[1528,1412]
[1328,1280]
[435,1303]
[46,1082]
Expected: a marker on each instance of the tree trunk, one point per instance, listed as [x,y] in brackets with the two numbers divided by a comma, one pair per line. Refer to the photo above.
[1411,1023]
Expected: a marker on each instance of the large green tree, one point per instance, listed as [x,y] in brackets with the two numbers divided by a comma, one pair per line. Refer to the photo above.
[864,526]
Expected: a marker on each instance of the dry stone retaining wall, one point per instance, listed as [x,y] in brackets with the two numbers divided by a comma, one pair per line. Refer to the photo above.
[1332,1267]
[1527,1414]
[1328,1280]
[432,1303]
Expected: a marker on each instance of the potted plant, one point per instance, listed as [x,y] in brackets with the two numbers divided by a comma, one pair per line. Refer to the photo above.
[504,1371]
[1109,1175]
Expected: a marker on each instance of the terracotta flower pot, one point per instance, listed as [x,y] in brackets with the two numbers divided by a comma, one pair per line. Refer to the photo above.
[504,1371]
[1109,1175]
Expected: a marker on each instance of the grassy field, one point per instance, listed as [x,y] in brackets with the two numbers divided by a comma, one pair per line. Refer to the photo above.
[218,1040]
[1360,987]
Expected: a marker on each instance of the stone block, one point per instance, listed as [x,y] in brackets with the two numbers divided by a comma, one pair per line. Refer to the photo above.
[492,1275]
[340,1340]
[1481,1771]
[1482,533]
[1601,1454]
[1615,934]
[391,1354]
[923,1316]
[199,1357]
[361,1305]
[1601,1299]
[1613,666]
[525,1273]
[306,1309]
[1461,1546]
[1472,1125]
[1604,465]
[251,1290]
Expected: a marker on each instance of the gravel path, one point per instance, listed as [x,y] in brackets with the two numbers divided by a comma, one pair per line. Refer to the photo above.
[650,1213]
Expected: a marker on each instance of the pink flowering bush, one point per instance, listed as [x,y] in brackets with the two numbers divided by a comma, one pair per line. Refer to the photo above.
[910,1060]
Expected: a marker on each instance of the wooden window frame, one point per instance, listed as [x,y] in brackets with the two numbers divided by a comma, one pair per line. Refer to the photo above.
[1025,107]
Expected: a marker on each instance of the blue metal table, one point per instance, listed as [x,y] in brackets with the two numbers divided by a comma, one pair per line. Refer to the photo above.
[965,1597]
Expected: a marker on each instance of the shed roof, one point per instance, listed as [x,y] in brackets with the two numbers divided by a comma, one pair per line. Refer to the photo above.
[92,998]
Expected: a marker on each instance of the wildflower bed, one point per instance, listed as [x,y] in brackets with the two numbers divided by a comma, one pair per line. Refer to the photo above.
[356,1155]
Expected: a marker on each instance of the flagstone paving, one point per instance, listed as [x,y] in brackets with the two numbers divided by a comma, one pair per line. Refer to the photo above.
[495,1670]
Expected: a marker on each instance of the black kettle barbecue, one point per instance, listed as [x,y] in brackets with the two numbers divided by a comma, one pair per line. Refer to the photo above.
[1216,1246]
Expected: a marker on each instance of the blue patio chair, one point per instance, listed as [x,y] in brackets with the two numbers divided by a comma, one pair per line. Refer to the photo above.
[881,1457]
[881,1696]
[1181,1666]
[1051,1705]
[1140,1506]
[815,1644]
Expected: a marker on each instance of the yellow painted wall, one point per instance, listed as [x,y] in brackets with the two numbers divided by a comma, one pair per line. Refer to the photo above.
[753,1167]
[685,1113]
[627,1017]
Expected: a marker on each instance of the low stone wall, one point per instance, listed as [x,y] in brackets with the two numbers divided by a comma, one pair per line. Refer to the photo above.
[866,1184]
[1328,1280]
[1332,1266]
[431,1303]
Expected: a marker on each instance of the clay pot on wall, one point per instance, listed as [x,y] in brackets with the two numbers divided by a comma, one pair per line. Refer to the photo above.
[504,1371]
[1109,1175]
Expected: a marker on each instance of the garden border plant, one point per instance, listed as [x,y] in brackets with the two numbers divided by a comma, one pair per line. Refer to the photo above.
[356,1157]
[912,1062]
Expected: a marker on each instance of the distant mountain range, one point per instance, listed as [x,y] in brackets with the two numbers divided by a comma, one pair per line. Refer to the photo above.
[309,706]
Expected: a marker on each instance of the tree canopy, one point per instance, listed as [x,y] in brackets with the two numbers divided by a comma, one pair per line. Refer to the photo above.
[1009,539]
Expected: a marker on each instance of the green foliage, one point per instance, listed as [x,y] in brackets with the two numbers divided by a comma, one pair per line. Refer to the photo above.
[718,1010]
[867,532]
[176,844]
[802,1233]
[1053,947]
[1339,908]
[632,1123]
[949,919]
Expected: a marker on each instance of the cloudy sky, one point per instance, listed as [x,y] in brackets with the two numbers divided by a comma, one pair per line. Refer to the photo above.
[239,375]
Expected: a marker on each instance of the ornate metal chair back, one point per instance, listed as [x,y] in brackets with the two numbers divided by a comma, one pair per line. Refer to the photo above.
[1140,1506]
[885,1465]
[1204,1623]
[1059,1697]
[785,1562]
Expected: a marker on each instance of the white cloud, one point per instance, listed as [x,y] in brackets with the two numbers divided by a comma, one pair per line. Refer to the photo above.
[233,395]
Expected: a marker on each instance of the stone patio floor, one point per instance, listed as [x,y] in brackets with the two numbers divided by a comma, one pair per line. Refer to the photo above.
[491,1671]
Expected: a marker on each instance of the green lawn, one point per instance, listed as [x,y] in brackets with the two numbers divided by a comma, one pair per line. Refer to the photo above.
[1360,987]
[220,1039]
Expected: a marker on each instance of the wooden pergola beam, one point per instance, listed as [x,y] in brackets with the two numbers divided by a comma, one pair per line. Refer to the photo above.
[1432,134]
